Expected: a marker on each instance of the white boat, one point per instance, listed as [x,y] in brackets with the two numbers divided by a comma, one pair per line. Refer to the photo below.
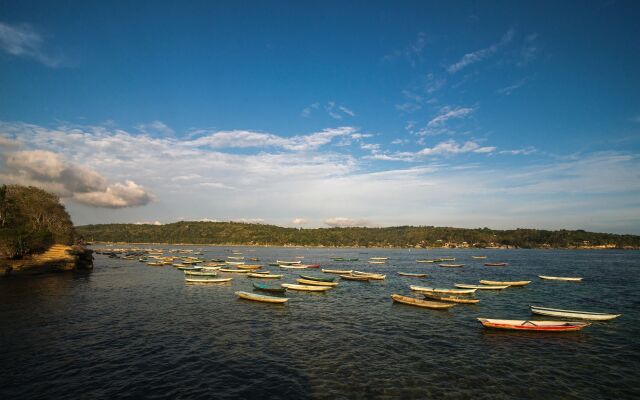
[303,281]
[507,283]
[376,262]
[441,290]
[378,258]
[288,262]
[201,273]
[292,266]
[481,287]
[560,278]
[264,276]
[479,257]
[306,288]
[369,275]
[200,280]
[261,297]
[555,312]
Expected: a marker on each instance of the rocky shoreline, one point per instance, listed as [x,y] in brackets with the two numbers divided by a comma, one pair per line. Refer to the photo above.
[56,259]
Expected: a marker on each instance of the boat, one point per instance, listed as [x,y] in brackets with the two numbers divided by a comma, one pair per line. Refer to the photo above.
[311,265]
[155,264]
[412,275]
[261,297]
[288,262]
[376,262]
[507,283]
[315,283]
[234,262]
[451,265]
[306,288]
[210,268]
[420,303]
[298,257]
[234,271]
[202,280]
[201,273]
[263,276]
[344,259]
[448,259]
[254,259]
[217,260]
[427,261]
[481,287]
[283,266]
[441,290]
[235,258]
[450,299]
[369,275]
[556,312]
[378,258]
[179,265]
[249,266]
[560,278]
[189,268]
[479,257]
[337,271]
[496,264]
[318,278]
[350,277]
[524,325]
[267,288]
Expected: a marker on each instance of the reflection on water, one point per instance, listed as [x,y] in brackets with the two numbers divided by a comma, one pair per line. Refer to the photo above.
[128,330]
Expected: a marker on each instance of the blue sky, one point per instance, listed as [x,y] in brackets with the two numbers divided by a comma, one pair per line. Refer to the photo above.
[498,114]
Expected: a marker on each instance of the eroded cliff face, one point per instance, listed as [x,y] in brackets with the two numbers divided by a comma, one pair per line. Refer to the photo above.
[57,258]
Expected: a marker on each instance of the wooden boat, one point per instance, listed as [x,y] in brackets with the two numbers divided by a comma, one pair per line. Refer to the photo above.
[318,278]
[288,262]
[155,264]
[481,287]
[496,264]
[201,273]
[556,312]
[420,303]
[541,326]
[451,265]
[217,260]
[560,278]
[344,259]
[188,268]
[306,288]
[507,283]
[370,275]
[479,257]
[311,265]
[450,299]
[201,280]
[254,259]
[376,262]
[248,266]
[427,261]
[260,272]
[337,271]
[441,290]
[179,265]
[267,288]
[379,258]
[261,297]
[315,283]
[210,268]
[412,275]
[448,259]
[350,277]
[234,271]
[234,262]
[292,266]
[298,257]
[263,276]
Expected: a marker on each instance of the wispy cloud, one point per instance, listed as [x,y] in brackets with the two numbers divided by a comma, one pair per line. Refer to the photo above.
[334,110]
[507,90]
[155,128]
[344,222]
[482,54]
[446,148]
[412,52]
[306,112]
[24,41]
[530,50]
[347,111]
[447,113]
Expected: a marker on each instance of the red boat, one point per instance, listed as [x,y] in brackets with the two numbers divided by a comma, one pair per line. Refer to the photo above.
[500,264]
[543,326]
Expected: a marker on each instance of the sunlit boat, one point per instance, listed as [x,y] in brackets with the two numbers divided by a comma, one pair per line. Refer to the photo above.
[202,280]
[267,288]
[369,275]
[263,276]
[283,266]
[234,271]
[261,297]
[479,257]
[303,281]
[318,278]
[441,290]
[412,275]
[560,278]
[507,283]
[420,303]
[376,262]
[481,287]
[556,312]
[306,288]
[288,262]
[495,264]
[450,299]
[451,265]
[540,326]
[201,273]
[378,258]
[350,277]
[337,271]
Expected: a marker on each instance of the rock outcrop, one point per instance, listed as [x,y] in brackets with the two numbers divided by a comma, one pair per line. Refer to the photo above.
[58,257]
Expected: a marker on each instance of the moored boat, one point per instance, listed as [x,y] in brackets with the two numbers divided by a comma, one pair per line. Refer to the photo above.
[261,297]
[204,280]
[249,266]
[350,277]
[496,264]
[201,273]
[451,265]
[283,266]
[376,262]
[428,261]
[441,290]
[312,265]
[306,288]
[369,275]
[337,271]
[303,281]
[412,275]
[263,276]
[479,257]
[450,299]
[267,288]
[379,258]
[560,278]
[503,283]
[288,262]
[420,303]
[481,287]
[234,271]
[318,278]
[448,259]
[540,326]
[556,312]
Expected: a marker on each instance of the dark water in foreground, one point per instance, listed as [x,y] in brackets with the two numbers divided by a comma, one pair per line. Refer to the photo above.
[128,330]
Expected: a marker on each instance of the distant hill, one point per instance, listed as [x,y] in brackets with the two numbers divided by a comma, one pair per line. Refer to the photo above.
[402,236]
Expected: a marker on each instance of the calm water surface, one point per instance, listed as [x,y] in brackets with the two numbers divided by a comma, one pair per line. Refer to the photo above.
[128,330]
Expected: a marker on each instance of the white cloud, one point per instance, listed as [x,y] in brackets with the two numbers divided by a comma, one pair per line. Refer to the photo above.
[447,113]
[347,111]
[24,41]
[299,221]
[343,222]
[8,142]
[479,55]
[507,90]
[156,128]
[306,112]
[412,52]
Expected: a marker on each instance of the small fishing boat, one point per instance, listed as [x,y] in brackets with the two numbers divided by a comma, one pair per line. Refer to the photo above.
[481,287]
[288,262]
[496,264]
[560,278]
[556,312]
[210,268]
[267,288]
[261,297]
[189,268]
[254,259]
[441,290]
[155,264]
[203,280]
[234,262]
[378,258]
[337,271]
[479,257]
[412,275]
[201,273]
[448,259]
[292,266]
[217,260]
[311,265]
[298,257]
[179,265]
[350,277]
[260,272]
[420,303]
[376,262]
[318,278]
[451,265]
[507,283]
[264,276]
[541,326]
[234,271]
[427,261]
[249,266]
[344,259]
[369,275]
[315,283]
[451,299]
[306,288]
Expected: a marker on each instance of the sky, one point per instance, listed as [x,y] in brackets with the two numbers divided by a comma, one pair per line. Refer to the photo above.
[314,114]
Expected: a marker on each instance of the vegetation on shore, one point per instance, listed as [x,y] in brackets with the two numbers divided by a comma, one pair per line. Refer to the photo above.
[402,236]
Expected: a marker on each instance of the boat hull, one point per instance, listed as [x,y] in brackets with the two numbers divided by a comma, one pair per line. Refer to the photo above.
[560,278]
[554,312]
[442,290]
[420,303]
[315,283]
[506,283]
[262,298]
[306,288]
[450,299]
[533,326]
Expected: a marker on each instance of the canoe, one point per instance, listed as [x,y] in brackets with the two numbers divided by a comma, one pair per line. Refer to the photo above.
[350,277]
[292,266]
[427,261]
[288,262]
[179,265]
[450,299]
[201,273]
[201,280]
[189,268]
[344,259]
[523,325]
[448,259]
[315,283]
[507,283]
[479,257]
[260,272]
[420,303]
[264,276]
[560,278]
[234,271]
[496,264]
[481,287]
[262,298]
[312,265]
[376,262]
[412,275]
[556,312]
[318,278]
[451,265]
[337,271]
[234,262]
[306,288]
[369,275]
[378,258]
[267,288]
[441,290]
[248,266]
